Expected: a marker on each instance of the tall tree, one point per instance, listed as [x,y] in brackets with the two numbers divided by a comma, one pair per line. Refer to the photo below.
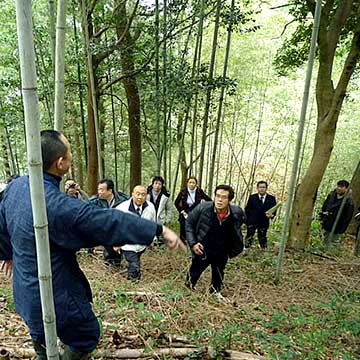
[123,22]
[339,30]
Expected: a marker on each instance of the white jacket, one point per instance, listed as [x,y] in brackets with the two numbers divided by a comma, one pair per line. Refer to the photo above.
[148,213]
[165,211]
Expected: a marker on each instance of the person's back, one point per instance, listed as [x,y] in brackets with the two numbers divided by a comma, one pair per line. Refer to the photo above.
[72,225]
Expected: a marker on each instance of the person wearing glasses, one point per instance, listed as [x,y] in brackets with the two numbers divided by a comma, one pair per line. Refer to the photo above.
[213,232]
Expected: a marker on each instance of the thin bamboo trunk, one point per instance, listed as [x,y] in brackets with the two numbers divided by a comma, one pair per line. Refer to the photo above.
[157,89]
[52,31]
[92,86]
[5,154]
[60,65]
[221,101]
[81,102]
[164,90]
[32,124]
[354,186]
[10,150]
[208,92]
[197,60]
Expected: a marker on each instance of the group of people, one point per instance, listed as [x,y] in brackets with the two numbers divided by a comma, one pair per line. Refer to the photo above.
[124,226]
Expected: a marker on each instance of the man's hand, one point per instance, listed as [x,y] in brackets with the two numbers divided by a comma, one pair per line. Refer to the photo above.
[270,216]
[198,249]
[117,249]
[172,240]
[7,268]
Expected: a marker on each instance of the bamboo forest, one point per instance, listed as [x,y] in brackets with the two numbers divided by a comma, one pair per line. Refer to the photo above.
[226,133]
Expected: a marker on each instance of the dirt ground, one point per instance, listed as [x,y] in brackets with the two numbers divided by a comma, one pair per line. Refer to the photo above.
[161,304]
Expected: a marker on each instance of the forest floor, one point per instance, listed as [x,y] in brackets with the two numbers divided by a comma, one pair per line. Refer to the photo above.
[314,313]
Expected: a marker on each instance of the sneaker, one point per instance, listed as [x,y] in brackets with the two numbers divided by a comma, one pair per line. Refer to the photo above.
[218,296]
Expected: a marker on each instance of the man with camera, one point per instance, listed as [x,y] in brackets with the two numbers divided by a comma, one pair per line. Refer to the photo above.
[74,189]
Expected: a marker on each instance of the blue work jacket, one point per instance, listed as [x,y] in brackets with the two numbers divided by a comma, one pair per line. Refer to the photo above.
[73,225]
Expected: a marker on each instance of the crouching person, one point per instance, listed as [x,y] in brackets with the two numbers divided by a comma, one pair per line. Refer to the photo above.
[139,206]
[213,231]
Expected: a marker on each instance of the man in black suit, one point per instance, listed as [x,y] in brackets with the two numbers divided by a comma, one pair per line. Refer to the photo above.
[257,216]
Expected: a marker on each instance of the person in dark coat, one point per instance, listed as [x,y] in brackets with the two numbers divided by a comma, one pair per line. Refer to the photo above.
[72,224]
[213,232]
[330,209]
[107,198]
[257,216]
[187,200]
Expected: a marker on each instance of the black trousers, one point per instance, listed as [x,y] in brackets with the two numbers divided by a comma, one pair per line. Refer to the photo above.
[199,265]
[182,229]
[111,256]
[261,234]
[133,260]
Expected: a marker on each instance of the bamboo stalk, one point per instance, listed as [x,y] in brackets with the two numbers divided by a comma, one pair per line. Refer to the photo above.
[32,126]
[60,65]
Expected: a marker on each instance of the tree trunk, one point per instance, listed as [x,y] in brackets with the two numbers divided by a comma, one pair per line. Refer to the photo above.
[4,154]
[208,92]
[94,170]
[81,103]
[355,186]
[221,101]
[131,90]
[329,103]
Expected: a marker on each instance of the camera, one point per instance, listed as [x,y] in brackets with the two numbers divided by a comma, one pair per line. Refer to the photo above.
[72,186]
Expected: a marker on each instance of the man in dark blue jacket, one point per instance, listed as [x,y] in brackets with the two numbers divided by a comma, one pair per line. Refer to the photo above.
[73,224]
[213,231]
[107,198]
[257,216]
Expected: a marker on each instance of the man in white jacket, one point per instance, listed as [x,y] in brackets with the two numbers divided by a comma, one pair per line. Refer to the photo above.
[139,206]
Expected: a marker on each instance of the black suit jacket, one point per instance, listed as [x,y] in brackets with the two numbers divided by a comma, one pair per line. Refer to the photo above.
[255,210]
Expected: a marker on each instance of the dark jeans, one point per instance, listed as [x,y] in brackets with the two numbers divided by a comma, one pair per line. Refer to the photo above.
[133,260]
[198,266]
[111,257]
[261,234]
[80,332]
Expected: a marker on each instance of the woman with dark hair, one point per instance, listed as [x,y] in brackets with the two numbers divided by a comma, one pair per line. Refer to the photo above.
[187,200]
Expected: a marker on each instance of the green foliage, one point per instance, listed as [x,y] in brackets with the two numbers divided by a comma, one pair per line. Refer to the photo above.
[294,51]
[6,293]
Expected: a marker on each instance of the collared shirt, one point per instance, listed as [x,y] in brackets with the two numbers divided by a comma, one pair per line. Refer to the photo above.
[191,197]
[262,198]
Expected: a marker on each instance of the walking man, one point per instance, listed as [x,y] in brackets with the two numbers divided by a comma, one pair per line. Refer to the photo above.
[139,206]
[213,231]
[257,216]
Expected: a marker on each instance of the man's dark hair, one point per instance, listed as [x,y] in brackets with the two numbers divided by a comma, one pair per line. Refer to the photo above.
[158,178]
[192,178]
[343,183]
[226,188]
[52,147]
[262,182]
[109,184]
